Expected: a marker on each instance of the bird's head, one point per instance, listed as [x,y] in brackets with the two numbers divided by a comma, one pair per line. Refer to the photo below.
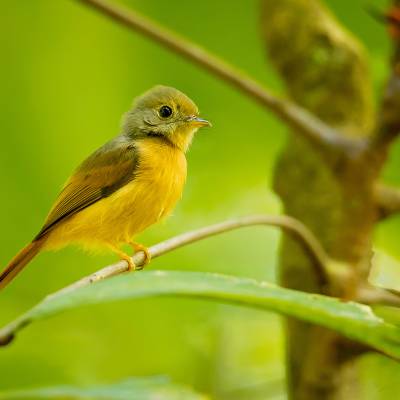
[164,112]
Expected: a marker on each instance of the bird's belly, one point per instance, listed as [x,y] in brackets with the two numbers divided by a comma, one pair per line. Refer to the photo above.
[149,197]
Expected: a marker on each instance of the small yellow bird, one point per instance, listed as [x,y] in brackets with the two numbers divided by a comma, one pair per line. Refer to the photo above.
[125,186]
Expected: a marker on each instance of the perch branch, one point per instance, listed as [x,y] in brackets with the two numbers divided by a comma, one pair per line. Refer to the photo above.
[388,200]
[314,129]
[290,225]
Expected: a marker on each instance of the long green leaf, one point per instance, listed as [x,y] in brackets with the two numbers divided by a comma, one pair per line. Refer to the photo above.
[155,388]
[353,320]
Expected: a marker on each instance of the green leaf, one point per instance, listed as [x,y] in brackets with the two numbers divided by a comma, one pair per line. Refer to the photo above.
[353,320]
[155,388]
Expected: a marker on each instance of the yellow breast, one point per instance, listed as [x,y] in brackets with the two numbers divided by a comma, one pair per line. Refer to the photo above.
[157,186]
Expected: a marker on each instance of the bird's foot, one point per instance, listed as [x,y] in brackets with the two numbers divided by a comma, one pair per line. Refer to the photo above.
[123,256]
[131,265]
[139,247]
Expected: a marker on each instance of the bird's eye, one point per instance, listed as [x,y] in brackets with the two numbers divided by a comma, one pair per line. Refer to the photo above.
[165,112]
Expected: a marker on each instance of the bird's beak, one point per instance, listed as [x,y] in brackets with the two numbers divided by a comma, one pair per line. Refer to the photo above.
[196,121]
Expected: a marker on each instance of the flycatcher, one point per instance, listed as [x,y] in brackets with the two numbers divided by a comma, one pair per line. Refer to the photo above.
[126,185]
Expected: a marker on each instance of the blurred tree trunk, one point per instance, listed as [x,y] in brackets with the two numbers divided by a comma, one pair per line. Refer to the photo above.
[325,70]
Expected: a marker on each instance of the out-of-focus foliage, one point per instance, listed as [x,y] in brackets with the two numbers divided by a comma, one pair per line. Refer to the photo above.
[131,389]
[67,75]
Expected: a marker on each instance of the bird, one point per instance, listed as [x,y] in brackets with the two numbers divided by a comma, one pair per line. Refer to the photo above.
[130,183]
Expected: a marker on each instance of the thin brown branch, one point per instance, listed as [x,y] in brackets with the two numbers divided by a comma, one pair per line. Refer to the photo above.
[372,295]
[291,226]
[315,130]
[388,124]
[388,201]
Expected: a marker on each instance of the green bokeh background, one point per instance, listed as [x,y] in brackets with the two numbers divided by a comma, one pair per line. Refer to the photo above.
[67,75]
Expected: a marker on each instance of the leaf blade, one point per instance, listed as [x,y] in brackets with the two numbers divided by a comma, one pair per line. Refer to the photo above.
[149,388]
[356,321]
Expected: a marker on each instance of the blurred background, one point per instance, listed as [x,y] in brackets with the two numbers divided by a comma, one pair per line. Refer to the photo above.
[67,76]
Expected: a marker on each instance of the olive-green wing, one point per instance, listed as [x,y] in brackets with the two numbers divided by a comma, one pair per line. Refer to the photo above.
[105,171]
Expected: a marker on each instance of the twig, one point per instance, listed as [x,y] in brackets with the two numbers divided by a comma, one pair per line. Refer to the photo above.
[388,124]
[290,225]
[315,130]
[372,295]
[293,227]
[388,200]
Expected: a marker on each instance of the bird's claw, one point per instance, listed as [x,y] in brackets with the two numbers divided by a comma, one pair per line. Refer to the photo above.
[147,256]
[131,265]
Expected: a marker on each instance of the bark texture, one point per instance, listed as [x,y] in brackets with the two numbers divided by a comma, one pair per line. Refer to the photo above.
[325,70]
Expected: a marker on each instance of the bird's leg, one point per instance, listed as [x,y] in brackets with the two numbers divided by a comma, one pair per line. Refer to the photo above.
[123,256]
[139,247]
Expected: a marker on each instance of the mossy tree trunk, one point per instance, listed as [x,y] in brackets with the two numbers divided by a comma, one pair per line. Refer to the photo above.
[325,70]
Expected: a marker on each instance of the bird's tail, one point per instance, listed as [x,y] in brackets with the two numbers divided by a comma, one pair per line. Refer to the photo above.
[19,261]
